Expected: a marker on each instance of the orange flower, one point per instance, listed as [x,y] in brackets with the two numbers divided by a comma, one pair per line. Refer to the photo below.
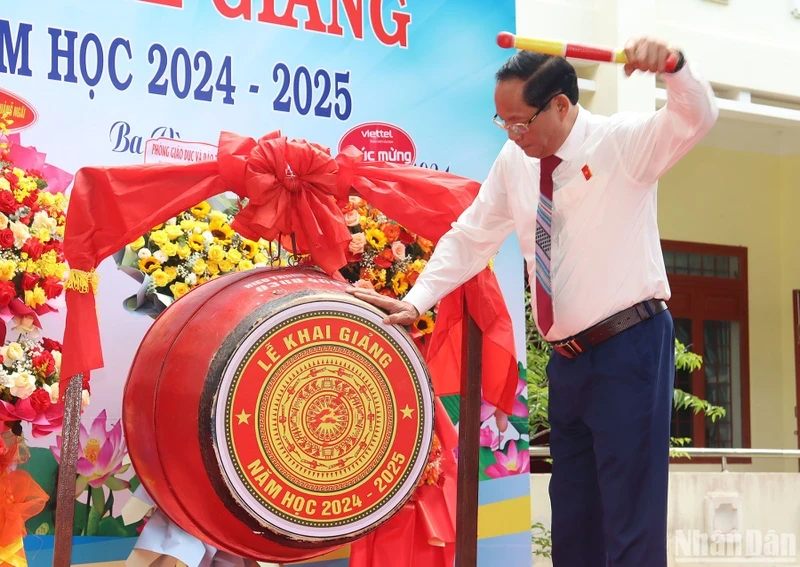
[425,244]
[391,231]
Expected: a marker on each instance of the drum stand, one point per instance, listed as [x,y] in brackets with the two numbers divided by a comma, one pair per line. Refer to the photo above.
[469,424]
[468,443]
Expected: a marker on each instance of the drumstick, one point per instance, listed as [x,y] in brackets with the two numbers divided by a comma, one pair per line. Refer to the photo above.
[507,40]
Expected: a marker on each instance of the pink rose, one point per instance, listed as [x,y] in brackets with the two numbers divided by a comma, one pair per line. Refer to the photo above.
[352,218]
[363,284]
[399,250]
[357,243]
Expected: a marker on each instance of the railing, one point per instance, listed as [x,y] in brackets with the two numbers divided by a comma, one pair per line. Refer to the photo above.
[544,452]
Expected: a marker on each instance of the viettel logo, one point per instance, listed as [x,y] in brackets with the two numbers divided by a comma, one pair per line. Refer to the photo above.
[17,109]
[381,141]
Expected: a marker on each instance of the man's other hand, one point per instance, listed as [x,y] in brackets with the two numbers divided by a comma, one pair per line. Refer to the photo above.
[400,312]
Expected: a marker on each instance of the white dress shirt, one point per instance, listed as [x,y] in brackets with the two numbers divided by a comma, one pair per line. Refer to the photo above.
[605,245]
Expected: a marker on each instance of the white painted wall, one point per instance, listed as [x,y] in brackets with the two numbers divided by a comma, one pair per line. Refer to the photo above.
[748,44]
[760,505]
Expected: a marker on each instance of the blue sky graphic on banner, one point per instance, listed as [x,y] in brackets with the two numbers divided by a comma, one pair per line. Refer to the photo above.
[409,80]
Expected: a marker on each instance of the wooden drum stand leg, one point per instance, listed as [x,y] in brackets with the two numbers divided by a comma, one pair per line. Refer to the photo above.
[67,470]
[468,444]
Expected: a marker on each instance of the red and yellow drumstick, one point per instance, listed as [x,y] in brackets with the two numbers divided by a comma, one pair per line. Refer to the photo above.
[507,40]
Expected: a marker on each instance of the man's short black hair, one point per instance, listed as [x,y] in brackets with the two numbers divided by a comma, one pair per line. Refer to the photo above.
[545,76]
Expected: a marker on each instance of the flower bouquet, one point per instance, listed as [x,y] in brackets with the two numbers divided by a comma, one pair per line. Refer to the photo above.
[32,266]
[386,257]
[29,385]
[198,245]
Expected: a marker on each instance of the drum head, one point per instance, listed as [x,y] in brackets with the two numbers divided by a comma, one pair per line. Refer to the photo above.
[322,418]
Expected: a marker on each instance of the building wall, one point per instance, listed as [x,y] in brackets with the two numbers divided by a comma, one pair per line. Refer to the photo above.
[749,45]
[734,198]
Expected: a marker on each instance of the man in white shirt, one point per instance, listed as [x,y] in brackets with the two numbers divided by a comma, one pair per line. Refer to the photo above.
[580,192]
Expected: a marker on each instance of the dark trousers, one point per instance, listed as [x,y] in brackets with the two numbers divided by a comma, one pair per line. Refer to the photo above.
[609,412]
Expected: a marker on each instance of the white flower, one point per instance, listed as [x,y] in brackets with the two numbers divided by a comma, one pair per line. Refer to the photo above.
[3,220]
[14,351]
[24,385]
[208,238]
[57,358]
[40,220]
[144,253]
[25,325]
[191,279]
[160,256]
[172,221]
[53,391]
[85,398]
[21,233]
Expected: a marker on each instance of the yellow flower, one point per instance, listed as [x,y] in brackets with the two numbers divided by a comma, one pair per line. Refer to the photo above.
[375,238]
[187,225]
[491,264]
[4,184]
[184,252]
[399,283]
[45,199]
[173,231]
[60,231]
[179,289]
[225,266]
[424,324]
[213,268]
[199,266]
[217,216]
[7,269]
[260,259]
[159,238]
[160,278]
[222,232]
[149,265]
[35,297]
[170,249]
[196,242]
[137,244]
[245,265]
[234,256]
[249,248]
[201,210]
[157,227]
[216,253]
[172,272]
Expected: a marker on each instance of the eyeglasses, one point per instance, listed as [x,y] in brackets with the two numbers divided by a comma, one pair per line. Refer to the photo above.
[519,128]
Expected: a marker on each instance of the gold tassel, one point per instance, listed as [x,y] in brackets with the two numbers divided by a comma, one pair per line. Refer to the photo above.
[81,281]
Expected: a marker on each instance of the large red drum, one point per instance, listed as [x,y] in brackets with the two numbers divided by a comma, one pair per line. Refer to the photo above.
[273,416]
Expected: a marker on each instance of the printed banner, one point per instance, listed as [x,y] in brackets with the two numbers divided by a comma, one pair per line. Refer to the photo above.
[113,82]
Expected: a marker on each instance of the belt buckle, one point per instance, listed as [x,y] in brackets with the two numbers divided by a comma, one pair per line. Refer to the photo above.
[570,348]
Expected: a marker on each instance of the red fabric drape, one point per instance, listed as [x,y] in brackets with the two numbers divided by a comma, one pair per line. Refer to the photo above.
[292,186]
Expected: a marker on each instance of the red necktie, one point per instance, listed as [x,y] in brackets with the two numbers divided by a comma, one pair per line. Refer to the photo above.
[544,217]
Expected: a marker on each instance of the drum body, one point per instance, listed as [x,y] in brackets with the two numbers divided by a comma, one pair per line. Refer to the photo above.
[273,416]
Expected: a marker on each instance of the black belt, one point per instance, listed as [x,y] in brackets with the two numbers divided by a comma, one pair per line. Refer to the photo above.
[607,328]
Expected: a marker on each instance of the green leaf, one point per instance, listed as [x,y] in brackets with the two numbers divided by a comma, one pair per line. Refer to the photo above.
[135,483]
[115,527]
[98,500]
[43,468]
[80,485]
[485,458]
[453,406]
[79,521]
[519,423]
[94,521]
[115,483]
